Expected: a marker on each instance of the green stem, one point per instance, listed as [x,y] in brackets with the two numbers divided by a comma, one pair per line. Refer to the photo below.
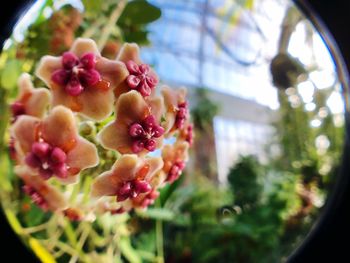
[159,238]
[106,31]
[34,229]
[93,28]
[73,241]
[70,233]
[80,244]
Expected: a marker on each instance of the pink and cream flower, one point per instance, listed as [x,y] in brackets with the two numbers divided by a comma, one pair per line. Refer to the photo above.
[174,157]
[30,101]
[47,197]
[129,177]
[144,200]
[82,80]
[141,77]
[52,146]
[176,107]
[137,126]
[187,133]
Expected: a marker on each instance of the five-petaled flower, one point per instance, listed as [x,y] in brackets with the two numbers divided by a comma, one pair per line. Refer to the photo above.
[143,201]
[186,133]
[82,79]
[174,157]
[44,195]
[30,101]
[52,146]
[129,177]
[141,77]
[136,128]
[76,73]
[176,109]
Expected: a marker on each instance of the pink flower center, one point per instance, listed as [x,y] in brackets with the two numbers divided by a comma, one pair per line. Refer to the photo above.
[76,74]
[149,198]
[144,134]
[189,134]
[141,78]
[36,197]
[181,115]
[17,109]
[48,160]
[175,171]
[132,189]
[118,211]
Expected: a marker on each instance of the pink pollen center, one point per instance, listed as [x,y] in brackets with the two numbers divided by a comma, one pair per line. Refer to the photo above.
[76,73]
[149,198]
[132,189]
[189,135]
[17,109]
[36,197]
[175,171]
[141,78]
[145,133]
[181,115]
[48,160]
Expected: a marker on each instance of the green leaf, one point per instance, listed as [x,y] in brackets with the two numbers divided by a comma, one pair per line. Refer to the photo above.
[128,251]
[10,74]
[35,216]
[167,191]
[139,37]
[92,6]
[139,12]
[157,213]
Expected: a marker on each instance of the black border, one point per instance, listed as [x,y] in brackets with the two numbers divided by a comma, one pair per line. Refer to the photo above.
[325,242]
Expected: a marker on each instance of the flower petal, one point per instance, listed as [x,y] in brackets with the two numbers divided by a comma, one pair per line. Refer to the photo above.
[55,200]
[107,183]
[155,164]
[95,103]
[172,98]
[131,107]
[129,51]
[47,65]
[25,132]
[61,97]
[59,128]
[174,153]
[37,101]
[157,107]
[81,46]
[158,179]
[114,72]
[181,150]
[115,136]
[83,155]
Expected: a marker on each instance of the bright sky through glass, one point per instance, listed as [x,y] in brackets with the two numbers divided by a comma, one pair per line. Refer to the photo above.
[178,30]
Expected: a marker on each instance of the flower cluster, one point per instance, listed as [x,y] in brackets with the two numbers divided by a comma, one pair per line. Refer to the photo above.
[120,98]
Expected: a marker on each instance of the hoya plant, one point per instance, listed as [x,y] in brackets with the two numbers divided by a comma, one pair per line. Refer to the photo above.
[119,99]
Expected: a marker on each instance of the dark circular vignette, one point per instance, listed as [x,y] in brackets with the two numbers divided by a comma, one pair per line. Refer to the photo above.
[13,248]
[324,242]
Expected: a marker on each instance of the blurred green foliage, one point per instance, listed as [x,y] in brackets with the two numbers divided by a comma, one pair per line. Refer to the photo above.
[205,109]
